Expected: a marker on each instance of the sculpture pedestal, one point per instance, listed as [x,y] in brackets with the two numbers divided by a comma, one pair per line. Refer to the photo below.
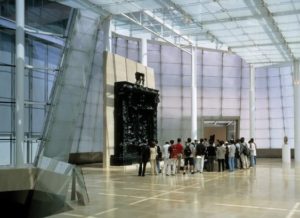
[286,154]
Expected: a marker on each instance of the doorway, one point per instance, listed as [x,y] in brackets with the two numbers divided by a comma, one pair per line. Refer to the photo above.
[224,128]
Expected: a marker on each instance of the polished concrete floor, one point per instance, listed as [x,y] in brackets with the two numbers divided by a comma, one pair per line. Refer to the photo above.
[268,190]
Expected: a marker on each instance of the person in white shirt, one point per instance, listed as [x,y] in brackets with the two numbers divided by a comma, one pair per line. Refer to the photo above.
[166,157]
[252,146]
[153,154]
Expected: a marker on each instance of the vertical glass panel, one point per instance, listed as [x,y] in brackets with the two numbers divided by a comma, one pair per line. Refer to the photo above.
[6,47]
[38,86]
[5,150]
[5,82]
[5,117]
[39,57]
[38,116]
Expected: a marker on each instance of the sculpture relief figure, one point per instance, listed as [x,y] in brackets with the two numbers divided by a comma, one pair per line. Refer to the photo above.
[286,151]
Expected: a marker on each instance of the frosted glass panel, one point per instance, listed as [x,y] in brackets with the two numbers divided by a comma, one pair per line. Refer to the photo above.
[230,112]
[262,103]
[212,71]
[212,58]
[261,82]
[231,103]
[212,82]
[171,80]
[274,81]
[232,72]
[231,82]
[276,123]
[261,93]
[170,54]
[286,80]
[171,102]
[168,91]
[261,113]
[262,133]
[274,92]
[288,112]
[287,91]
[173,69]
[273,72]
[211,103]
[276,143]
[288,101]
[262,124]
[276,113]
[231,60]
[277,134]
[211,112]
[231,93]
[211,93]
[263,143]
[275,103]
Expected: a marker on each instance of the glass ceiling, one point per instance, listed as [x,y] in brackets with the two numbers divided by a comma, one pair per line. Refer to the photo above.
[260,31]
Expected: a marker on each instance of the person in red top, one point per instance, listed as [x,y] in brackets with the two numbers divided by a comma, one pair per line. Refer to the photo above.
[179,150]
[173,157]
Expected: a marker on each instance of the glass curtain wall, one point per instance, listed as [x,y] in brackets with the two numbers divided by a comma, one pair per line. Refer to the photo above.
[38,84]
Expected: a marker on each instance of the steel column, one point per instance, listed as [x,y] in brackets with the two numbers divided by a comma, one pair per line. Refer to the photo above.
[19,83]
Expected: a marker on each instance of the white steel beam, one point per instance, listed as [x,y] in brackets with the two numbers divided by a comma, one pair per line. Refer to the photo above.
[154,33]
[296,75]
[252,102]
[191,18]
[194,116]
[163,23]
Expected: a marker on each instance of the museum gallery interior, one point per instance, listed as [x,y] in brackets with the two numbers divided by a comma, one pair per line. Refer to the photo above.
[95,96]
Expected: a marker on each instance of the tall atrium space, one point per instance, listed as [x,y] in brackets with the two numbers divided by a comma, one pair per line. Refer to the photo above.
[149,108]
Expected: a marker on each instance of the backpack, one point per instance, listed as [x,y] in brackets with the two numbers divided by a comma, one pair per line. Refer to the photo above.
[187,151]
[159,153]
[237,152]
[246,150]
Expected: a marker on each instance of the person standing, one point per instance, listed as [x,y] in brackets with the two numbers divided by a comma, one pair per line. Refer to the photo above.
[166,156]
[144,152]
[188,156]
[173,157]
[158,157]
[220,154]
[244,153]
[231,155]
[153,156]
[179,150]
[252,146]
[200,155]
[211,155]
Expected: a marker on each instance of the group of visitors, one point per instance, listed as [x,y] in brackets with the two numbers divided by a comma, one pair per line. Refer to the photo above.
[196,156]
